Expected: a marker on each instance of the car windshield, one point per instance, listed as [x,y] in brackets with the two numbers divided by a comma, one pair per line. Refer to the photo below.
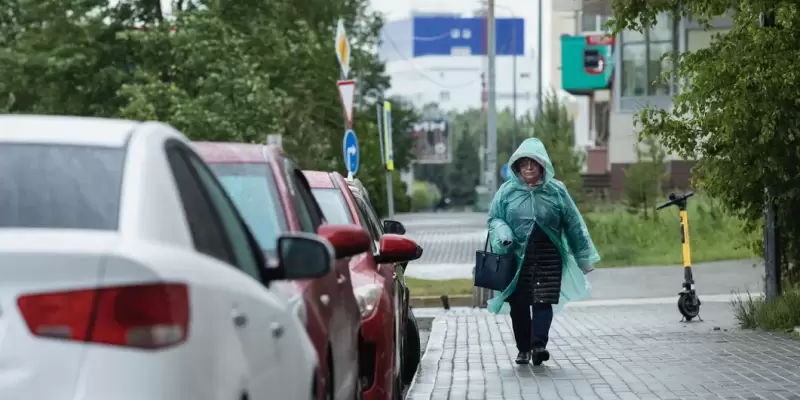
[252,189]
[60,186]
[333,206]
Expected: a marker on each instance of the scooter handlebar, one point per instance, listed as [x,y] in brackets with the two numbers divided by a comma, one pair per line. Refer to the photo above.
[673,200]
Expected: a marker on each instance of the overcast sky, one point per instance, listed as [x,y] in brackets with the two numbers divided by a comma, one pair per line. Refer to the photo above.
[527,9]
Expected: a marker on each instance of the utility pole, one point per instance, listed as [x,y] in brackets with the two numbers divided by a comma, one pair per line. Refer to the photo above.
[539,63]
[514,87]
[491,110]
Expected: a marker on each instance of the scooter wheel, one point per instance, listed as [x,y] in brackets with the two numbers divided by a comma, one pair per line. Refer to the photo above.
[688,305]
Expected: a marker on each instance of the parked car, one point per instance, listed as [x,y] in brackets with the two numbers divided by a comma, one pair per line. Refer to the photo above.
[125,268]
[274,198]
[412,347]
[384,323]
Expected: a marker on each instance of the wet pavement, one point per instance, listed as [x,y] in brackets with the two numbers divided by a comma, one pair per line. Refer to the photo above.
[637,351]
[627,342]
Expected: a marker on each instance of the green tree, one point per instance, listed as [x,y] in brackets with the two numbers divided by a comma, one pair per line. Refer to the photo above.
[645,178]
[464,173]
[217,70]
[737,111]
[555,128]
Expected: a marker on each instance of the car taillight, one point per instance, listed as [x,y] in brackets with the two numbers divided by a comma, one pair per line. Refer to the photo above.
[148,316]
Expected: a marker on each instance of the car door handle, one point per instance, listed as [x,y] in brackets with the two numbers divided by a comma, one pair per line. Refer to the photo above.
[239,318]
[341,279]
[325,299]
[277,330]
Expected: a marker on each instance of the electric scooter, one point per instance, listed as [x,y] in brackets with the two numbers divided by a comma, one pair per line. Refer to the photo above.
[688,302]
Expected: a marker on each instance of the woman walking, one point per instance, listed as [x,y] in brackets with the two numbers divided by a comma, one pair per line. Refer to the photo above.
[533,216]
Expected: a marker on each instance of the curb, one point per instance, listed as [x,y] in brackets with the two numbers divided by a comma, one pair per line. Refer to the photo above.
[436,301]
[421,361]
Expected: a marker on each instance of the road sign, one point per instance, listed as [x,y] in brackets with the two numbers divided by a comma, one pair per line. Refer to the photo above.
[593,62]
[388,152]
[505,173]
[600,40]
[351,156]
[347,95]
[449,36]
[342,49]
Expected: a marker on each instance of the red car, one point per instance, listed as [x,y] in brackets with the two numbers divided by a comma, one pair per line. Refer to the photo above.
[273,196]
[383,321]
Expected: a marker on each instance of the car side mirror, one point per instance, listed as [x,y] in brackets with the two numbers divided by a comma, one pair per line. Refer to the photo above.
[397,249]
[395,227]
[347,239]
[304,256]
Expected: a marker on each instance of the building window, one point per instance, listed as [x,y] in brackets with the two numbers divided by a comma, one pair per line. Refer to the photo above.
[642,67]
[593,22]
[444,96]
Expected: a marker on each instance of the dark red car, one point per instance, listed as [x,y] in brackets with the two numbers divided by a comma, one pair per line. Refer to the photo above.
[375,281]
[274,197]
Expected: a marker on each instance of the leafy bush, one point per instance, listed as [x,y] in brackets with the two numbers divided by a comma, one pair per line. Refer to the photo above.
[625,239]
[782,314]
[423,196]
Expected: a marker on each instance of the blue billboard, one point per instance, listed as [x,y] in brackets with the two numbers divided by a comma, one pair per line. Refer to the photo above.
[444,36]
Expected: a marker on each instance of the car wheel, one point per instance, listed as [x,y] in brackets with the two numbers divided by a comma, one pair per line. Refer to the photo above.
[412,349]
[397,389]
[329,389]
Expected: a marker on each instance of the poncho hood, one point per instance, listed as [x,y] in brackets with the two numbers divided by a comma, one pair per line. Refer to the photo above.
[534,148]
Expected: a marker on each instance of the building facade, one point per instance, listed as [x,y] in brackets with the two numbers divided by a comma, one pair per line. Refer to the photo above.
[639,66]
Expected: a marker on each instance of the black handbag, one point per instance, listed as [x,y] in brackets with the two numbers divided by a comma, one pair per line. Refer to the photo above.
[494,271]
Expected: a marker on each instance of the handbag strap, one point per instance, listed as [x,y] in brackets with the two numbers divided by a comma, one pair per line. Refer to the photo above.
[486,245]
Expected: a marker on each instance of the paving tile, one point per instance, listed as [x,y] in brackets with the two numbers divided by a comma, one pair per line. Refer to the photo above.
[618,352]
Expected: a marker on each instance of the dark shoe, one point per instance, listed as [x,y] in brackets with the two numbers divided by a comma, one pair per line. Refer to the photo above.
[523,357]
[540,356]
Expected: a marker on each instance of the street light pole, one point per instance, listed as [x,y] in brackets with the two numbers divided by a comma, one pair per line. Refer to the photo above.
[514,87]
[491,110]
[539,63]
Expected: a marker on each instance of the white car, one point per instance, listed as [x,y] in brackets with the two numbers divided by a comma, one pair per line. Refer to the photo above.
[127,273]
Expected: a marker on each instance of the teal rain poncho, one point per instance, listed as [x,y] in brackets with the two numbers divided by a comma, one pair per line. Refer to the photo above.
[517,208]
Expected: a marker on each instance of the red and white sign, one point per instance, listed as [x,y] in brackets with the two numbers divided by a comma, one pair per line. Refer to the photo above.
[347,95]
[601,66]
[599,40]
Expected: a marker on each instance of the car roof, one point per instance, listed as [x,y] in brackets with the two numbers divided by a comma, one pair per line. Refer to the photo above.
[235,153]
[66,130]
[320,179]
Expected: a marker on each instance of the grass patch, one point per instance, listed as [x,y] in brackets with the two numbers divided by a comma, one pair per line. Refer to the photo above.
[626,239]
[782,314]
[450,287]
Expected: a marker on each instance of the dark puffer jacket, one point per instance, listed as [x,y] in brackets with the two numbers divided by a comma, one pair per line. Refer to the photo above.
[540,274]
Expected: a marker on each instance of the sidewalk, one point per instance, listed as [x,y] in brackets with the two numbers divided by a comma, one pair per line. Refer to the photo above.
[609,352]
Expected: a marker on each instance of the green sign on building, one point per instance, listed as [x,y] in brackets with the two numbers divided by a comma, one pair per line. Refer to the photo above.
[586,63]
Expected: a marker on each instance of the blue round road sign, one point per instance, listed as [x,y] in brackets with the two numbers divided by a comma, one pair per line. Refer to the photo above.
[351,156]
[505,173]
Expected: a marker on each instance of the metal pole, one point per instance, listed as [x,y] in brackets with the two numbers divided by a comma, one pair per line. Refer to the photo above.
[491,116]
[514,88]
[390,194]
[539,63]
[491,110]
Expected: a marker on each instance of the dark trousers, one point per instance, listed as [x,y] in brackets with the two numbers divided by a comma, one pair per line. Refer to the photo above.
[531,330]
